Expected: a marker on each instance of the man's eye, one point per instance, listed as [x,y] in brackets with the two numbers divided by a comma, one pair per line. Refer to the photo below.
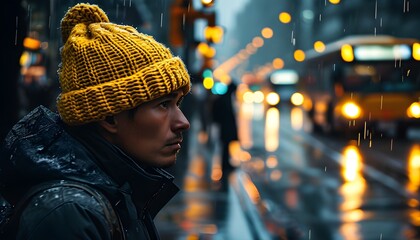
[164,104]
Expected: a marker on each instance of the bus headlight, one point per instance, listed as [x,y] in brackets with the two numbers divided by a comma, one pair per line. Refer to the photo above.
[350,110]
[297,99]
[414,110]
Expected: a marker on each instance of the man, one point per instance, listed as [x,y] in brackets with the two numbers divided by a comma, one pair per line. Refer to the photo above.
[119,125]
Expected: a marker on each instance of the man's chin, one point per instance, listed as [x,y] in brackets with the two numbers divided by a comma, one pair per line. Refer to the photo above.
[168,163]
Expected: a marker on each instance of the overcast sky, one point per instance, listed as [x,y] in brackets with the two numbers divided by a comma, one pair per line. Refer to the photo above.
[227,10]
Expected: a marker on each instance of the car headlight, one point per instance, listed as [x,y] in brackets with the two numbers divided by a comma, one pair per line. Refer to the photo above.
[350,110]
[414,110]
[272,98]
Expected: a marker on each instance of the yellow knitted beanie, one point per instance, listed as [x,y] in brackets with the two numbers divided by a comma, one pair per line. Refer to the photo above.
[108,68]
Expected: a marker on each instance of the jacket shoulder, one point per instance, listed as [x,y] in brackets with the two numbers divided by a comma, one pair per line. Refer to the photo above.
[38,120]
[63,212]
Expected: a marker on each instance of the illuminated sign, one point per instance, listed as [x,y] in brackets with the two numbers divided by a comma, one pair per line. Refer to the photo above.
[381,52]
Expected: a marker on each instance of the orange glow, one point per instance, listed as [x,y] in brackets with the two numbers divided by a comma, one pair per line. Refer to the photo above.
[196,209]
[352,193]
[216,174]
[285,17]
[351,110]
[235,153]
[291,198]
[31,43]
[414,110]
[251,189]
[319,46]
[244,125]
[258,97]
[193,236]
[414,203]
[257,42]
[219,73]
[351,230]
[352,163]
[278,63]
[210,53]
[276,175]
[299,55]
[206,50]
[207,3]
[296,99]
[415,218]
[416,51]
[296,118]
[213,34]
[413,169]
[250,49]
[267,32]
[202,48]
[271,161]
[353,216]
[272,98]
[195,180]
[202,137]
[226,79]
[209,229]
[347,53]
[248,97]
[258,164]
[272,126]
[354,186]
[245,156]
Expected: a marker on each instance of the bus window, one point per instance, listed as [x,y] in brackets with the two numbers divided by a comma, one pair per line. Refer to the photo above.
[379,78]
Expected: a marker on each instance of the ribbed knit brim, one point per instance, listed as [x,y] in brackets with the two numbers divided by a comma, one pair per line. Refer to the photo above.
[108,68]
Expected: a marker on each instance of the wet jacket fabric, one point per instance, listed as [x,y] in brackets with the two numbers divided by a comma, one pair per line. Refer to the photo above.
[41,148]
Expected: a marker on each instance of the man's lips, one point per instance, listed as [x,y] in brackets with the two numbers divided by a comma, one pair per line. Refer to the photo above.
[175,142]
[174,145]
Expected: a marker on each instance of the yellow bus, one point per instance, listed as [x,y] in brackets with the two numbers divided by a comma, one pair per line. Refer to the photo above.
[363,84]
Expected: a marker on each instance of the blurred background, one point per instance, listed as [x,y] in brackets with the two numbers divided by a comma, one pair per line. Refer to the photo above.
[305,115]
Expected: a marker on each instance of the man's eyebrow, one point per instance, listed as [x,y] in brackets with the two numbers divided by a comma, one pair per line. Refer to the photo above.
[173,95]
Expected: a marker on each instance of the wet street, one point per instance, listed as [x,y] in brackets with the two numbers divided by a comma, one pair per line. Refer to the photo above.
[293,184]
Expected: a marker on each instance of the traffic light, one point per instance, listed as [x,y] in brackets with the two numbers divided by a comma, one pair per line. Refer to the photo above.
[208,81]
[213,34]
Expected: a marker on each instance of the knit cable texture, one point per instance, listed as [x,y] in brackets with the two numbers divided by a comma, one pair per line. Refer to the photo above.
[108,68]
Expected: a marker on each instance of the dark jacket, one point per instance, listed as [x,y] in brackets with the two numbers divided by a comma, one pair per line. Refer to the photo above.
[40,148]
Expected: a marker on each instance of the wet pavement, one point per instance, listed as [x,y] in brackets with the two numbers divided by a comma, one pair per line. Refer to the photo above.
[305,187]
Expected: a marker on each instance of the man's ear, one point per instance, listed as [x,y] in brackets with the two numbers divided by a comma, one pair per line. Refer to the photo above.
[109,124]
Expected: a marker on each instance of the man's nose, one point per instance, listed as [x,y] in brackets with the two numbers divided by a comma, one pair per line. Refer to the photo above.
[181,123]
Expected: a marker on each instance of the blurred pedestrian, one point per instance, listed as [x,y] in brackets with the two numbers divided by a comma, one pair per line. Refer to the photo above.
[224,117]
[119,124]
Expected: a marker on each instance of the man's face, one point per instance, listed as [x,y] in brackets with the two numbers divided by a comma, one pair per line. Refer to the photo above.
[153,135]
